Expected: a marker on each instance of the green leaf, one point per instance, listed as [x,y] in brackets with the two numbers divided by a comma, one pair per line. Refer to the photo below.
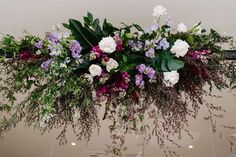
[84,35]
[90,16]
[174,64]
[138,27]
[125,58]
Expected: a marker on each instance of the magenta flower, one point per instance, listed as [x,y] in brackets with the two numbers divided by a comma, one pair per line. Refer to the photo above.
[97,51]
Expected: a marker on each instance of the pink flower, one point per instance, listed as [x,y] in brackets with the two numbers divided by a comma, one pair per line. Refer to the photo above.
[103,90]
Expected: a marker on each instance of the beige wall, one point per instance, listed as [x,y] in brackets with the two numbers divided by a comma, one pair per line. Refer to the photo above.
[37,16]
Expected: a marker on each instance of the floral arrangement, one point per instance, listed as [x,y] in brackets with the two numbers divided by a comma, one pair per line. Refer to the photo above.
[158,74]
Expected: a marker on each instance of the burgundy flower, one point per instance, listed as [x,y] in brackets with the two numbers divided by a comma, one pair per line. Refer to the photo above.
[103,90]
[119,43]
[97,51]
[26,55]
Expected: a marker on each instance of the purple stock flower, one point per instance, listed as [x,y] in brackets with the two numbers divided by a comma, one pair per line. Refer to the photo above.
[139,80]
[154,26]
[54,37]
[39,44]
[163,44]
[75,49]
[170,21]
[141,68]
[46,65]
[150,53]
[136,46]
[150,72]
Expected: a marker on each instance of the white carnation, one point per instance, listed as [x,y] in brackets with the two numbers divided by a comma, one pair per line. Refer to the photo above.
[107,45]
[159,10]
[180,48]
[111,64]
[171,78]
[182,28]
[95,70]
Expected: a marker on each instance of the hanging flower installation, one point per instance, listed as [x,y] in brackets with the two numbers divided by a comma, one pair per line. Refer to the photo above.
[156,74]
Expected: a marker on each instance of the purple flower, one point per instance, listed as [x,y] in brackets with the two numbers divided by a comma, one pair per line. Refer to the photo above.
[150,53]
[46,65]
[163,44]
[170,21]
[54,37]
[139,80]
[141,68]
[75,49]
[154,26]
[39,44]
[151,73]
[136,46]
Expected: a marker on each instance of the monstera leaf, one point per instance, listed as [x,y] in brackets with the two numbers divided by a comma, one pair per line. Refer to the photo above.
[167,62]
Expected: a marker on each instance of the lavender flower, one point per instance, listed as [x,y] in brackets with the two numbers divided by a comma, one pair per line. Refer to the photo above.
[46,65]
[136,46]
[163,44]
[54,37]
[169,21]
[139,80]
[55,48]
[39,44]
[75,49]
[154,26]
[150,53]
[141,68]
[151,73]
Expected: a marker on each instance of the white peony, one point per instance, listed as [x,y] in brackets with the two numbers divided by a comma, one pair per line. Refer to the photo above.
[180,48]
[107,45]
[95,70]
[171,78]
[159,10]
[182,28]
[111,64]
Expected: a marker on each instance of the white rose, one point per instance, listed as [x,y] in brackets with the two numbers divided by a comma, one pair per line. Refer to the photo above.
[107,45]
[171,78]
[95,70]
[180,48]
[182,28]
[159,10]
[111,64]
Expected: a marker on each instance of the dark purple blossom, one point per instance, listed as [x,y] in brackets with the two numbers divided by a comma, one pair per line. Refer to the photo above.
[141,68]
[46,65]
[75,49]
[54,37]
[163,44]
[150,53]
[39,44]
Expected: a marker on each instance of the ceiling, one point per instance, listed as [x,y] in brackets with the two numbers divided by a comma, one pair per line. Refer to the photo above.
[37,17]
